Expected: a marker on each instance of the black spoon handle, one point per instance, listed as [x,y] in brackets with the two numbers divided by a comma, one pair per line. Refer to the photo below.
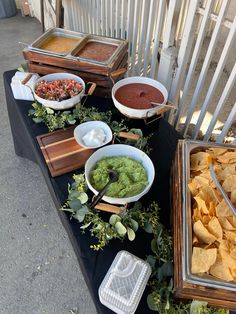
[100,195]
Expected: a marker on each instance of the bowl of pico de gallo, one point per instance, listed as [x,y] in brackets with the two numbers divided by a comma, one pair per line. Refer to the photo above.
[59,91]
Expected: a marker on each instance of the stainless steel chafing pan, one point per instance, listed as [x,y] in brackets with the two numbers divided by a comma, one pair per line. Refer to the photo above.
[119,43]
[57,32]
[190,147]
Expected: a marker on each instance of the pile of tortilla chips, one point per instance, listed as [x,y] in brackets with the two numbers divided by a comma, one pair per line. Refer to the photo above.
[214,225]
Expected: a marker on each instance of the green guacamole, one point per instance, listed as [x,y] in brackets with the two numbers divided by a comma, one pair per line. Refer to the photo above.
[132,176]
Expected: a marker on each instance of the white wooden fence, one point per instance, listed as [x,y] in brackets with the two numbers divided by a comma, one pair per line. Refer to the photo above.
[166,40]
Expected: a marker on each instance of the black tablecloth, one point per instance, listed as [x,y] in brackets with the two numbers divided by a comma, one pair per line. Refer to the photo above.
[94,265]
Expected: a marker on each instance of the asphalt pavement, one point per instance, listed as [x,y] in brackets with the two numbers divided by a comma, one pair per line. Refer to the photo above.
[39,273]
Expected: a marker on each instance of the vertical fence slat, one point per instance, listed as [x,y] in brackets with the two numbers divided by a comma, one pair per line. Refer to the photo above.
[142,34]
[112,18]
[228,87]
[135,36]
[117,18]
[149,36]
[216,77]
[227,125]
[107,17]
[174,7]
[102,18]
[185,49]
[194,59]
[93,14]
[206,64]
[99,26]
[157,36]
[123,19]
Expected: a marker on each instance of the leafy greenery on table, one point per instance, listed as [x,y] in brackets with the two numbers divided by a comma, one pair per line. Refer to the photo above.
[126,224]
[55,119]
[118,226]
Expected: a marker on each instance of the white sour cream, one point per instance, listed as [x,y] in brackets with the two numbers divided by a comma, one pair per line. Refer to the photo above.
[94,137]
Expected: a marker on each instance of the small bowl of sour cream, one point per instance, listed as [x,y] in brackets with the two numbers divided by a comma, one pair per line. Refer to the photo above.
[93,134]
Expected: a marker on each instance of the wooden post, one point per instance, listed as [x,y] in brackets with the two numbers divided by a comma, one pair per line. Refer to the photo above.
[59,15]
[42,15]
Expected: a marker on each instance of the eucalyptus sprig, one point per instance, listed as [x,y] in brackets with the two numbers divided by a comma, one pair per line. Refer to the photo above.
[55,119]
[118,226]
[161,298]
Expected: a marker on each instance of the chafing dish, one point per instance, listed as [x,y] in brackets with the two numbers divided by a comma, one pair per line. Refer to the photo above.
[60,33]
[189,147]
[116,46]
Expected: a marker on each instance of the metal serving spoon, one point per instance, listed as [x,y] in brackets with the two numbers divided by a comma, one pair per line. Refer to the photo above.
[113,177]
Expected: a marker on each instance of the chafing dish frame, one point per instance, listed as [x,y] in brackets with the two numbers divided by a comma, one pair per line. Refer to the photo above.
[35,46]
[120,43]
[205,280]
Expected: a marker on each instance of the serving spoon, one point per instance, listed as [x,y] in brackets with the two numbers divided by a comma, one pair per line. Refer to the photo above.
[113,177]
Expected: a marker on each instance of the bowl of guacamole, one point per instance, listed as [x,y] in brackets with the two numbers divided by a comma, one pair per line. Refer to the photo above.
[135,173]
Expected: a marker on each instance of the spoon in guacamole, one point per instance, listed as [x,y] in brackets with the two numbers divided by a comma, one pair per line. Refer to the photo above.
[113,177]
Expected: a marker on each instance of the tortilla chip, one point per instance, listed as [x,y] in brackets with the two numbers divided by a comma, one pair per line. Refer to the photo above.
[231,236]
[227,259]
[205,220]
[193,188]
[202,259]
[227,171]
[218,270]
[225,224]
[223,210]
[233,197]
[212,209]
[226,158]
[199,161]
[233,273]
[202,233]
[229,183]
[206,193]
[233,253]
[200,181]
[232,220]
[224,245]
[215,151]
[215,228]
[201,205]
[197,215]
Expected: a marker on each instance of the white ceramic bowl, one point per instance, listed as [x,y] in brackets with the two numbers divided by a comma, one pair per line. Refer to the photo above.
[86,127]
[120,150]
[64,104]
[138,113]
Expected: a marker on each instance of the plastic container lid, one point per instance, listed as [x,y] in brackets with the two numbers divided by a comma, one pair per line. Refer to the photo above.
[124,283]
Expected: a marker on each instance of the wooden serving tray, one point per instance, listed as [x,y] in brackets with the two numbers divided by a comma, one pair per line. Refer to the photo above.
[61,151]
[185,290]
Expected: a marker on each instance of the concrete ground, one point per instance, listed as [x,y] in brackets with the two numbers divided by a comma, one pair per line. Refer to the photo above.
[39,273]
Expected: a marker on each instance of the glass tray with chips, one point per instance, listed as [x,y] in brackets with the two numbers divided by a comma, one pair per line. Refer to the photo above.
[205,254]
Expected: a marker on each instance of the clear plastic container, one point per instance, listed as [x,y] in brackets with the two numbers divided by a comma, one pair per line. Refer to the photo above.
[124,283]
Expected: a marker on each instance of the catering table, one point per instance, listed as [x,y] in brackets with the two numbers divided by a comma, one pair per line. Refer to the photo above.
[94,265]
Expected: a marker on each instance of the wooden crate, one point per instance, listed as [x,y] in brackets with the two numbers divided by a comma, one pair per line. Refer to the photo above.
[185,290]
[103,75]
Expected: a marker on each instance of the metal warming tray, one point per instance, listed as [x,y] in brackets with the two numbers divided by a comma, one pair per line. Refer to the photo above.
[56,32]
[188,148]
[97,58]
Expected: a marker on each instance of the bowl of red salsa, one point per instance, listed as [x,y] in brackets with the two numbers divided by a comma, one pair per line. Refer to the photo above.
[59,91]
[139,97]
